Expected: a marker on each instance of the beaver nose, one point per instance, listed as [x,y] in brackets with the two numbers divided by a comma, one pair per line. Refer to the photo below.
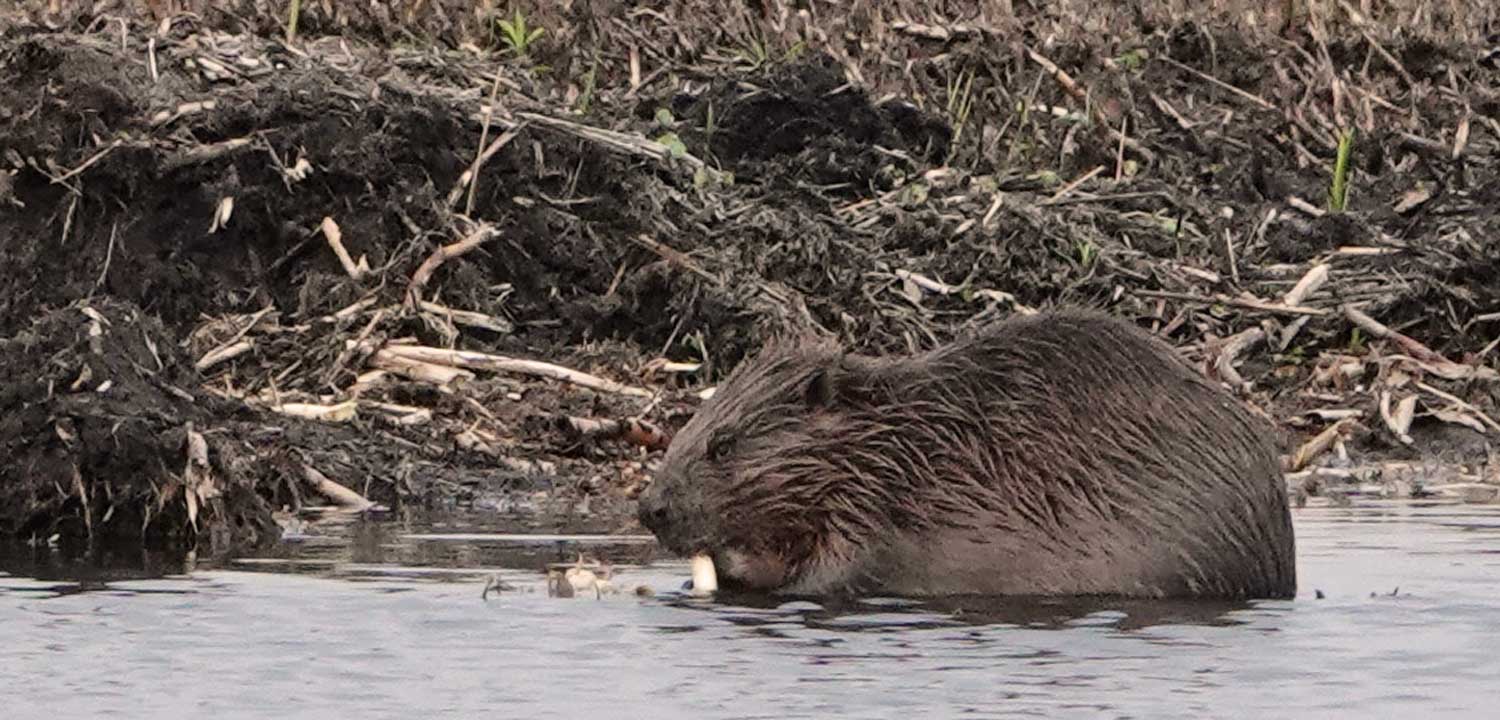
[651,510]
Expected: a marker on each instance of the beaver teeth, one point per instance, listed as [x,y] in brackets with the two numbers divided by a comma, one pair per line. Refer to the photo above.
[705,580]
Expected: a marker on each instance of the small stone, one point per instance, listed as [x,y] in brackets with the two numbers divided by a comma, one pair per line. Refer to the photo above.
[1479,494]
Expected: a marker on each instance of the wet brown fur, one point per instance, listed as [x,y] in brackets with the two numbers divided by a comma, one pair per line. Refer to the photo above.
[1064,453]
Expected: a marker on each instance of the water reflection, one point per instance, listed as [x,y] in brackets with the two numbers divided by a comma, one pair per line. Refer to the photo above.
[385,620]
[1037,613]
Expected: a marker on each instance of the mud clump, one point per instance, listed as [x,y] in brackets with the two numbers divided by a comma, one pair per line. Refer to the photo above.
[805,123]
[94,419]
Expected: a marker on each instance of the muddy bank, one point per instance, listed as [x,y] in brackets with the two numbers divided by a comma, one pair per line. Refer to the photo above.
[276,247]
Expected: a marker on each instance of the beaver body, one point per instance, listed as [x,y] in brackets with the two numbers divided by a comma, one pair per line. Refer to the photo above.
[1064,453]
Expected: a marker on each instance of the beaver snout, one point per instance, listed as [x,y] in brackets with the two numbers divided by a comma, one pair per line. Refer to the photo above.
[651,509]
[674,514]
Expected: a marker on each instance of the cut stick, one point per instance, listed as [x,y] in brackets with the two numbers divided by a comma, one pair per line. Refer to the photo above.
[196,475]
[1435,361]
[941,288]
[342,412]
[466,180]
[676,258]
[96,157]
[221,354]
[1248,304]
[467,317]
[1335,413]
[443,254]
[1232,348]
[1305,206]
[989,215]
[499,363]
[352,310]
[1398,421]
[663,365]
[350,348]
[406,415]
[1364,250]
[366,381]
[235,345]
[1320,444]
[437,374]
[489,118]
[926,283]
[335,239]
[336,493]
[1460,404]
[933,32]
[618,141]
[1249,96]
[1308,285]
[637,432]
[1070,187]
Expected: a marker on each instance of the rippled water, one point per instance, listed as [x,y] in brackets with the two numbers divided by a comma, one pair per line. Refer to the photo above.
[386,620]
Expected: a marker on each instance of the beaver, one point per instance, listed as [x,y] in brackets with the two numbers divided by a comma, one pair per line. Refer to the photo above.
[1067,452]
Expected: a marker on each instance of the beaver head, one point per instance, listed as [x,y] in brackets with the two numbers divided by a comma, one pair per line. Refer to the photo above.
[747,480]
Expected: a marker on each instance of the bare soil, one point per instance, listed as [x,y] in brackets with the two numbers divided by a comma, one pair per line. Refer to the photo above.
[165,179]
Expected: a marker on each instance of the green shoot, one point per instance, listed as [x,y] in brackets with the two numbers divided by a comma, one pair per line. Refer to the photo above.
[673,143]
[794,52]
[754,53]
[586,96]
[1087,252]
[291,20]
[960,104]
[1338,191]
[517,36]
[1132,59]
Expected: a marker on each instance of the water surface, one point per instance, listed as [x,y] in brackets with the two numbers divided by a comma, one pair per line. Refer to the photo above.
[385,619]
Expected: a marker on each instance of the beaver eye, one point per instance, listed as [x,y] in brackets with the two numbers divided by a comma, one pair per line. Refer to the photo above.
[719,445]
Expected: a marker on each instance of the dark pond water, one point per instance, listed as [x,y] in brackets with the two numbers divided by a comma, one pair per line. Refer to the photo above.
[386,620]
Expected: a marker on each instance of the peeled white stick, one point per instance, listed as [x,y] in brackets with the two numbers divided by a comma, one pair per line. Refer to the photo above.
[705,581]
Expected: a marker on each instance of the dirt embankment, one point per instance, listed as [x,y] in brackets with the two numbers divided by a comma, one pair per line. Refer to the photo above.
[237,267]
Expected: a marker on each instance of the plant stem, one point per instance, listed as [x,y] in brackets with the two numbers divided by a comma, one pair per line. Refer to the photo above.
[291,20]
[1338,194]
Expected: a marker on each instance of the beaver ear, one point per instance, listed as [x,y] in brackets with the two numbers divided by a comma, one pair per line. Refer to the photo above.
[820,391]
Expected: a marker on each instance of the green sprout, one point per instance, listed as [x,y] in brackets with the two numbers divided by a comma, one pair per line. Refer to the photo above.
[590,80]
[1087,252]
[754,53]
[517,36]
[291,20]
[1132,59]
[1338,191]
[960,104]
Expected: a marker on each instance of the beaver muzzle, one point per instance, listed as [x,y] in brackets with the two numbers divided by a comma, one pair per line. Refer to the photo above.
[655,514]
